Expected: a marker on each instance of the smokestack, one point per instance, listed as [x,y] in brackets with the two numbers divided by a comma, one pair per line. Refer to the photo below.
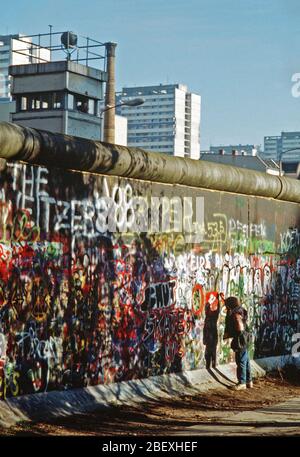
[109,115]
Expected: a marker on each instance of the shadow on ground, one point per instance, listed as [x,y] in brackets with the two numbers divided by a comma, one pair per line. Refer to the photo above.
[160,417]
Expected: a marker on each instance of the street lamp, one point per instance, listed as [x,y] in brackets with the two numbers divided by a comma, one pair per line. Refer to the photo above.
[133,102]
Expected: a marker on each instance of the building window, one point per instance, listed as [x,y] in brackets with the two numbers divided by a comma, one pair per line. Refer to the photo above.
[42,101]
[70,101]
[23,104]
[58,100]
[82,103]
[32,102]
[92,107]
[45,101]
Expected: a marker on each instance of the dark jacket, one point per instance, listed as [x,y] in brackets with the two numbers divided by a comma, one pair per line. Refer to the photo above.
[210,330]
[235,322]
[236,328]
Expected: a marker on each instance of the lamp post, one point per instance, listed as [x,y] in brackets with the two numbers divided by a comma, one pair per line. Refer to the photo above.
[133,102]
[280,158]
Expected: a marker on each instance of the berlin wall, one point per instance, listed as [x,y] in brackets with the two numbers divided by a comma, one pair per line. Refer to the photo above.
[105,278]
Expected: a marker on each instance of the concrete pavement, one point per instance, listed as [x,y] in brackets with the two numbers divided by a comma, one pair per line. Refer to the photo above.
[56,404]
[77,401]
[282,419]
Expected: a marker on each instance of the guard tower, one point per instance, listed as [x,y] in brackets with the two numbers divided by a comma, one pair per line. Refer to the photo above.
[60,96]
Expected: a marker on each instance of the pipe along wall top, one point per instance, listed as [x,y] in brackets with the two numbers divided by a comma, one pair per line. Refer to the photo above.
[53,149]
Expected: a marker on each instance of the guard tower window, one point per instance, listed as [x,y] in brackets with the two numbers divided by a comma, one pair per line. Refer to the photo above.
[92,107]
[32,102]
[23,104]
[41,101]
[82,103]
[58,100]
[45,101]
[70,101]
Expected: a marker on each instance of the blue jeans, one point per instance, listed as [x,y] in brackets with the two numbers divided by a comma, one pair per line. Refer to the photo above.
[243,366]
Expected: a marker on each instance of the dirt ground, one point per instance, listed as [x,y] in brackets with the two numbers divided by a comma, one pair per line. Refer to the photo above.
[159,418]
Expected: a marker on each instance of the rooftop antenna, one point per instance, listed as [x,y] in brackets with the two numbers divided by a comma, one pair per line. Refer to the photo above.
[50,39]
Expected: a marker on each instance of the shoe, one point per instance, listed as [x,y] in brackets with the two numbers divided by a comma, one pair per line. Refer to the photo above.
[250,385]
[239,387]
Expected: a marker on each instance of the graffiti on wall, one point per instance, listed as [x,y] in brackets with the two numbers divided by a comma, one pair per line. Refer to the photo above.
[81,306]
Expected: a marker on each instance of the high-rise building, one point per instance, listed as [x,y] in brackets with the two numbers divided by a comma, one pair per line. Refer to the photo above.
[167,122]
[285,148]
[272,147]
[15,50]
[290,146]
[290,153]
[287,145]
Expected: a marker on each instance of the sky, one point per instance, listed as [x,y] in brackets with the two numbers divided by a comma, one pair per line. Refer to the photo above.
[239,55]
